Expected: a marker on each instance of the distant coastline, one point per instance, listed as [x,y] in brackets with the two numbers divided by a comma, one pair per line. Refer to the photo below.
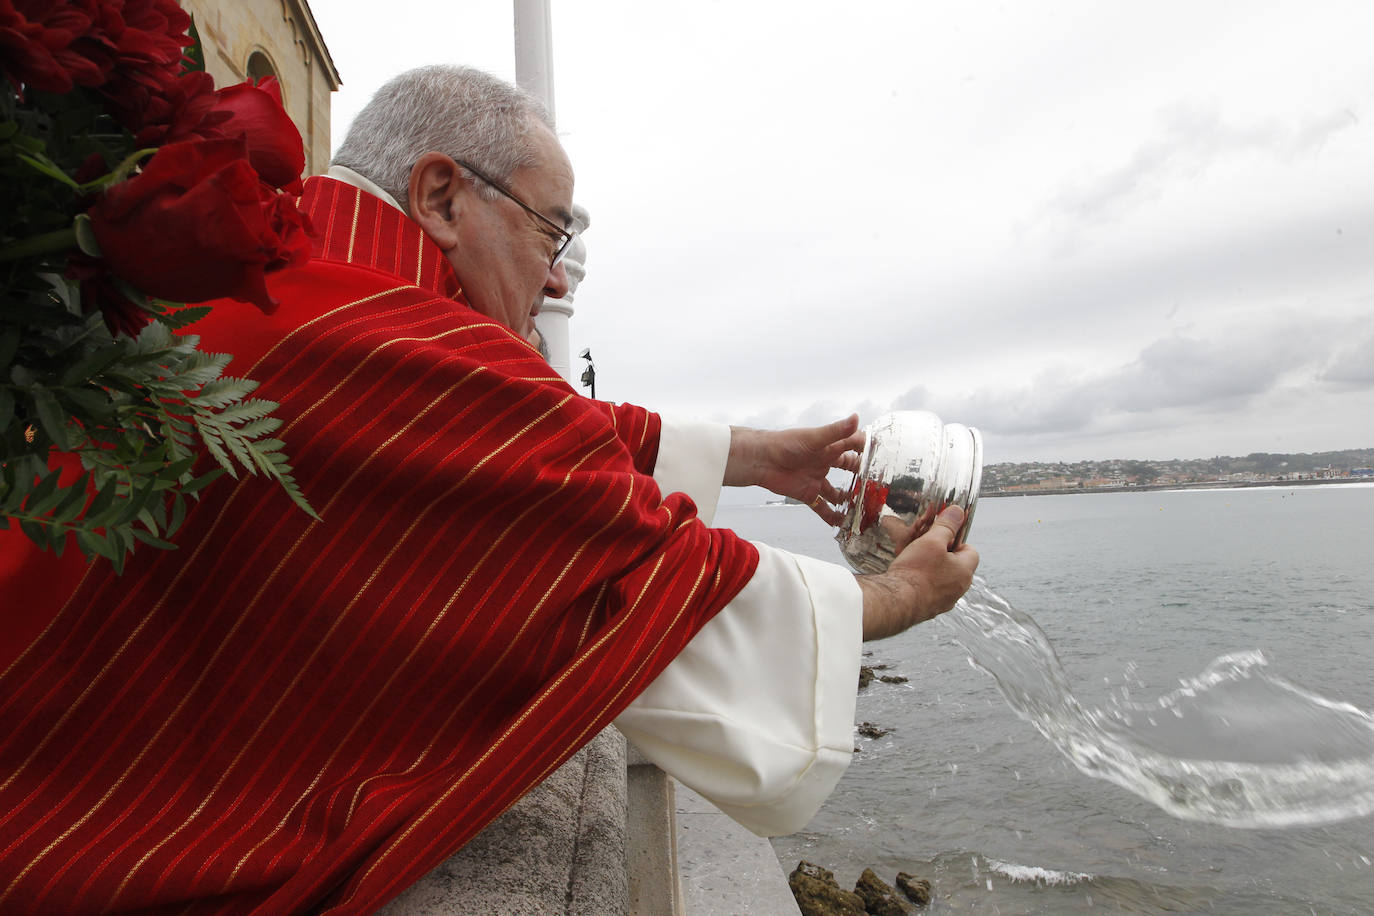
[1197,485]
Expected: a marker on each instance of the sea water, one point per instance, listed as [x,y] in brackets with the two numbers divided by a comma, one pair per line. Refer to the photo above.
[1205,653]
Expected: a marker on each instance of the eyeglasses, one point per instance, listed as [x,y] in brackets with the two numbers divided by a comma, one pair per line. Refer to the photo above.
[564,235]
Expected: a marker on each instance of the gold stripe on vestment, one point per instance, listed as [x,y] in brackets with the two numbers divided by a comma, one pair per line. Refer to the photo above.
[591,615]
[420,265]
[37,639]
[325,316]
[353,229]
[362,363]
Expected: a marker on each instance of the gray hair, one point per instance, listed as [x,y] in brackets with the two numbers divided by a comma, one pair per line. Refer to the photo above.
[461,112]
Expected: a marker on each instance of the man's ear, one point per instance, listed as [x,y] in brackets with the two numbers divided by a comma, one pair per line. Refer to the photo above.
[435,199]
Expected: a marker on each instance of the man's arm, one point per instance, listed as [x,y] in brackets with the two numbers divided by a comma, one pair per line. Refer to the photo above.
[757,713]
[794,462]
[637,428]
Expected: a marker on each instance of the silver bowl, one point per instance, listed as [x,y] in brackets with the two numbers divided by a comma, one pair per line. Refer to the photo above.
[912,467]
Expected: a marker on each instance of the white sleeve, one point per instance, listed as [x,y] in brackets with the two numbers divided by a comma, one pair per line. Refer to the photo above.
[757,713]
[691,460]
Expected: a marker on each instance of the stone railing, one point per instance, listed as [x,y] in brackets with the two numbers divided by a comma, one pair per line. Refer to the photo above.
[608,834]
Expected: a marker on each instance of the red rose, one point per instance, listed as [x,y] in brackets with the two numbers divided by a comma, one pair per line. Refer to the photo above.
[139,43]
[197,224]
[189,107]
[36,38]
[166,108]
[154,31]
[145,87]
[137,36]
[120,47]
[274,145]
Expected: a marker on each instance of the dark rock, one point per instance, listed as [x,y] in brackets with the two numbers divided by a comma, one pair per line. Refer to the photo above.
[879,897]
[812,870]
[869,730]
[917,890]
[869,673]
[818,894]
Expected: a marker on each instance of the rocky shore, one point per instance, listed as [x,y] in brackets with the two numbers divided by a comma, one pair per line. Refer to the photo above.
[869,673]
[819,894]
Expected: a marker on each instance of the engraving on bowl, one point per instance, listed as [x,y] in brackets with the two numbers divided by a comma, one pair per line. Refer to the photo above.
[912,467]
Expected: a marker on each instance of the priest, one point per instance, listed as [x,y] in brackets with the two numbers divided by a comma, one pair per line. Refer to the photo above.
[287,715]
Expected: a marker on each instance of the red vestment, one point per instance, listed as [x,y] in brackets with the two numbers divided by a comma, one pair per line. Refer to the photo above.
[288,716]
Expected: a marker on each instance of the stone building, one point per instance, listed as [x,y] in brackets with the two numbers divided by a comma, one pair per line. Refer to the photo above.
[256,38]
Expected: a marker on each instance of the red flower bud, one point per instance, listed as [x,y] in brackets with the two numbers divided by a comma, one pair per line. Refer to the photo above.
[99,292]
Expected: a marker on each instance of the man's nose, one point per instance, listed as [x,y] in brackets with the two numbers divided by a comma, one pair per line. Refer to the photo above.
[556,283]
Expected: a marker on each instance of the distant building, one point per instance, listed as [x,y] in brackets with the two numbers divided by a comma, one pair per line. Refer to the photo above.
[1362,472]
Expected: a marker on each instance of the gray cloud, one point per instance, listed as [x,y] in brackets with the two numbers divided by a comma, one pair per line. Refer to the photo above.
[1353,366]
[1171,380]
[1189,140]
[1181,371]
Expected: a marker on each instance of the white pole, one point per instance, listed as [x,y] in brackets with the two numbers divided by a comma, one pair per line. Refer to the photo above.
[534,50]
[534,74]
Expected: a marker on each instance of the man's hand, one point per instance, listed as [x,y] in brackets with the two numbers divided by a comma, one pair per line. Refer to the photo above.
[794,462]
[926,579]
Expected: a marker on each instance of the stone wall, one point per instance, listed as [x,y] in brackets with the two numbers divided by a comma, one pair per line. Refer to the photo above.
[608,834]
[559,851]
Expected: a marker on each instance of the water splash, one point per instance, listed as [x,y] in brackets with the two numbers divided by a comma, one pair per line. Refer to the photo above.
[1236,745]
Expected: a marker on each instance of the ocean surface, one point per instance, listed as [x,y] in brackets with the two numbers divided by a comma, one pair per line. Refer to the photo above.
[1137,593]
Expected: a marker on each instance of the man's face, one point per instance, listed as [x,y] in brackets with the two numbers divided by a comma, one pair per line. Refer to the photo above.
[502,259]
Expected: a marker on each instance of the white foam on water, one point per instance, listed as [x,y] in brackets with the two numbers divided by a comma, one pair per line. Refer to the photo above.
[1034,874]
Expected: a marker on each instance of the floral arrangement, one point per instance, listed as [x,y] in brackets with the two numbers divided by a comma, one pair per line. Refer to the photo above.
[129,187]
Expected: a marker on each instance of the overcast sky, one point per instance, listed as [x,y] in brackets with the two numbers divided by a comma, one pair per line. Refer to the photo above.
[1093,230]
